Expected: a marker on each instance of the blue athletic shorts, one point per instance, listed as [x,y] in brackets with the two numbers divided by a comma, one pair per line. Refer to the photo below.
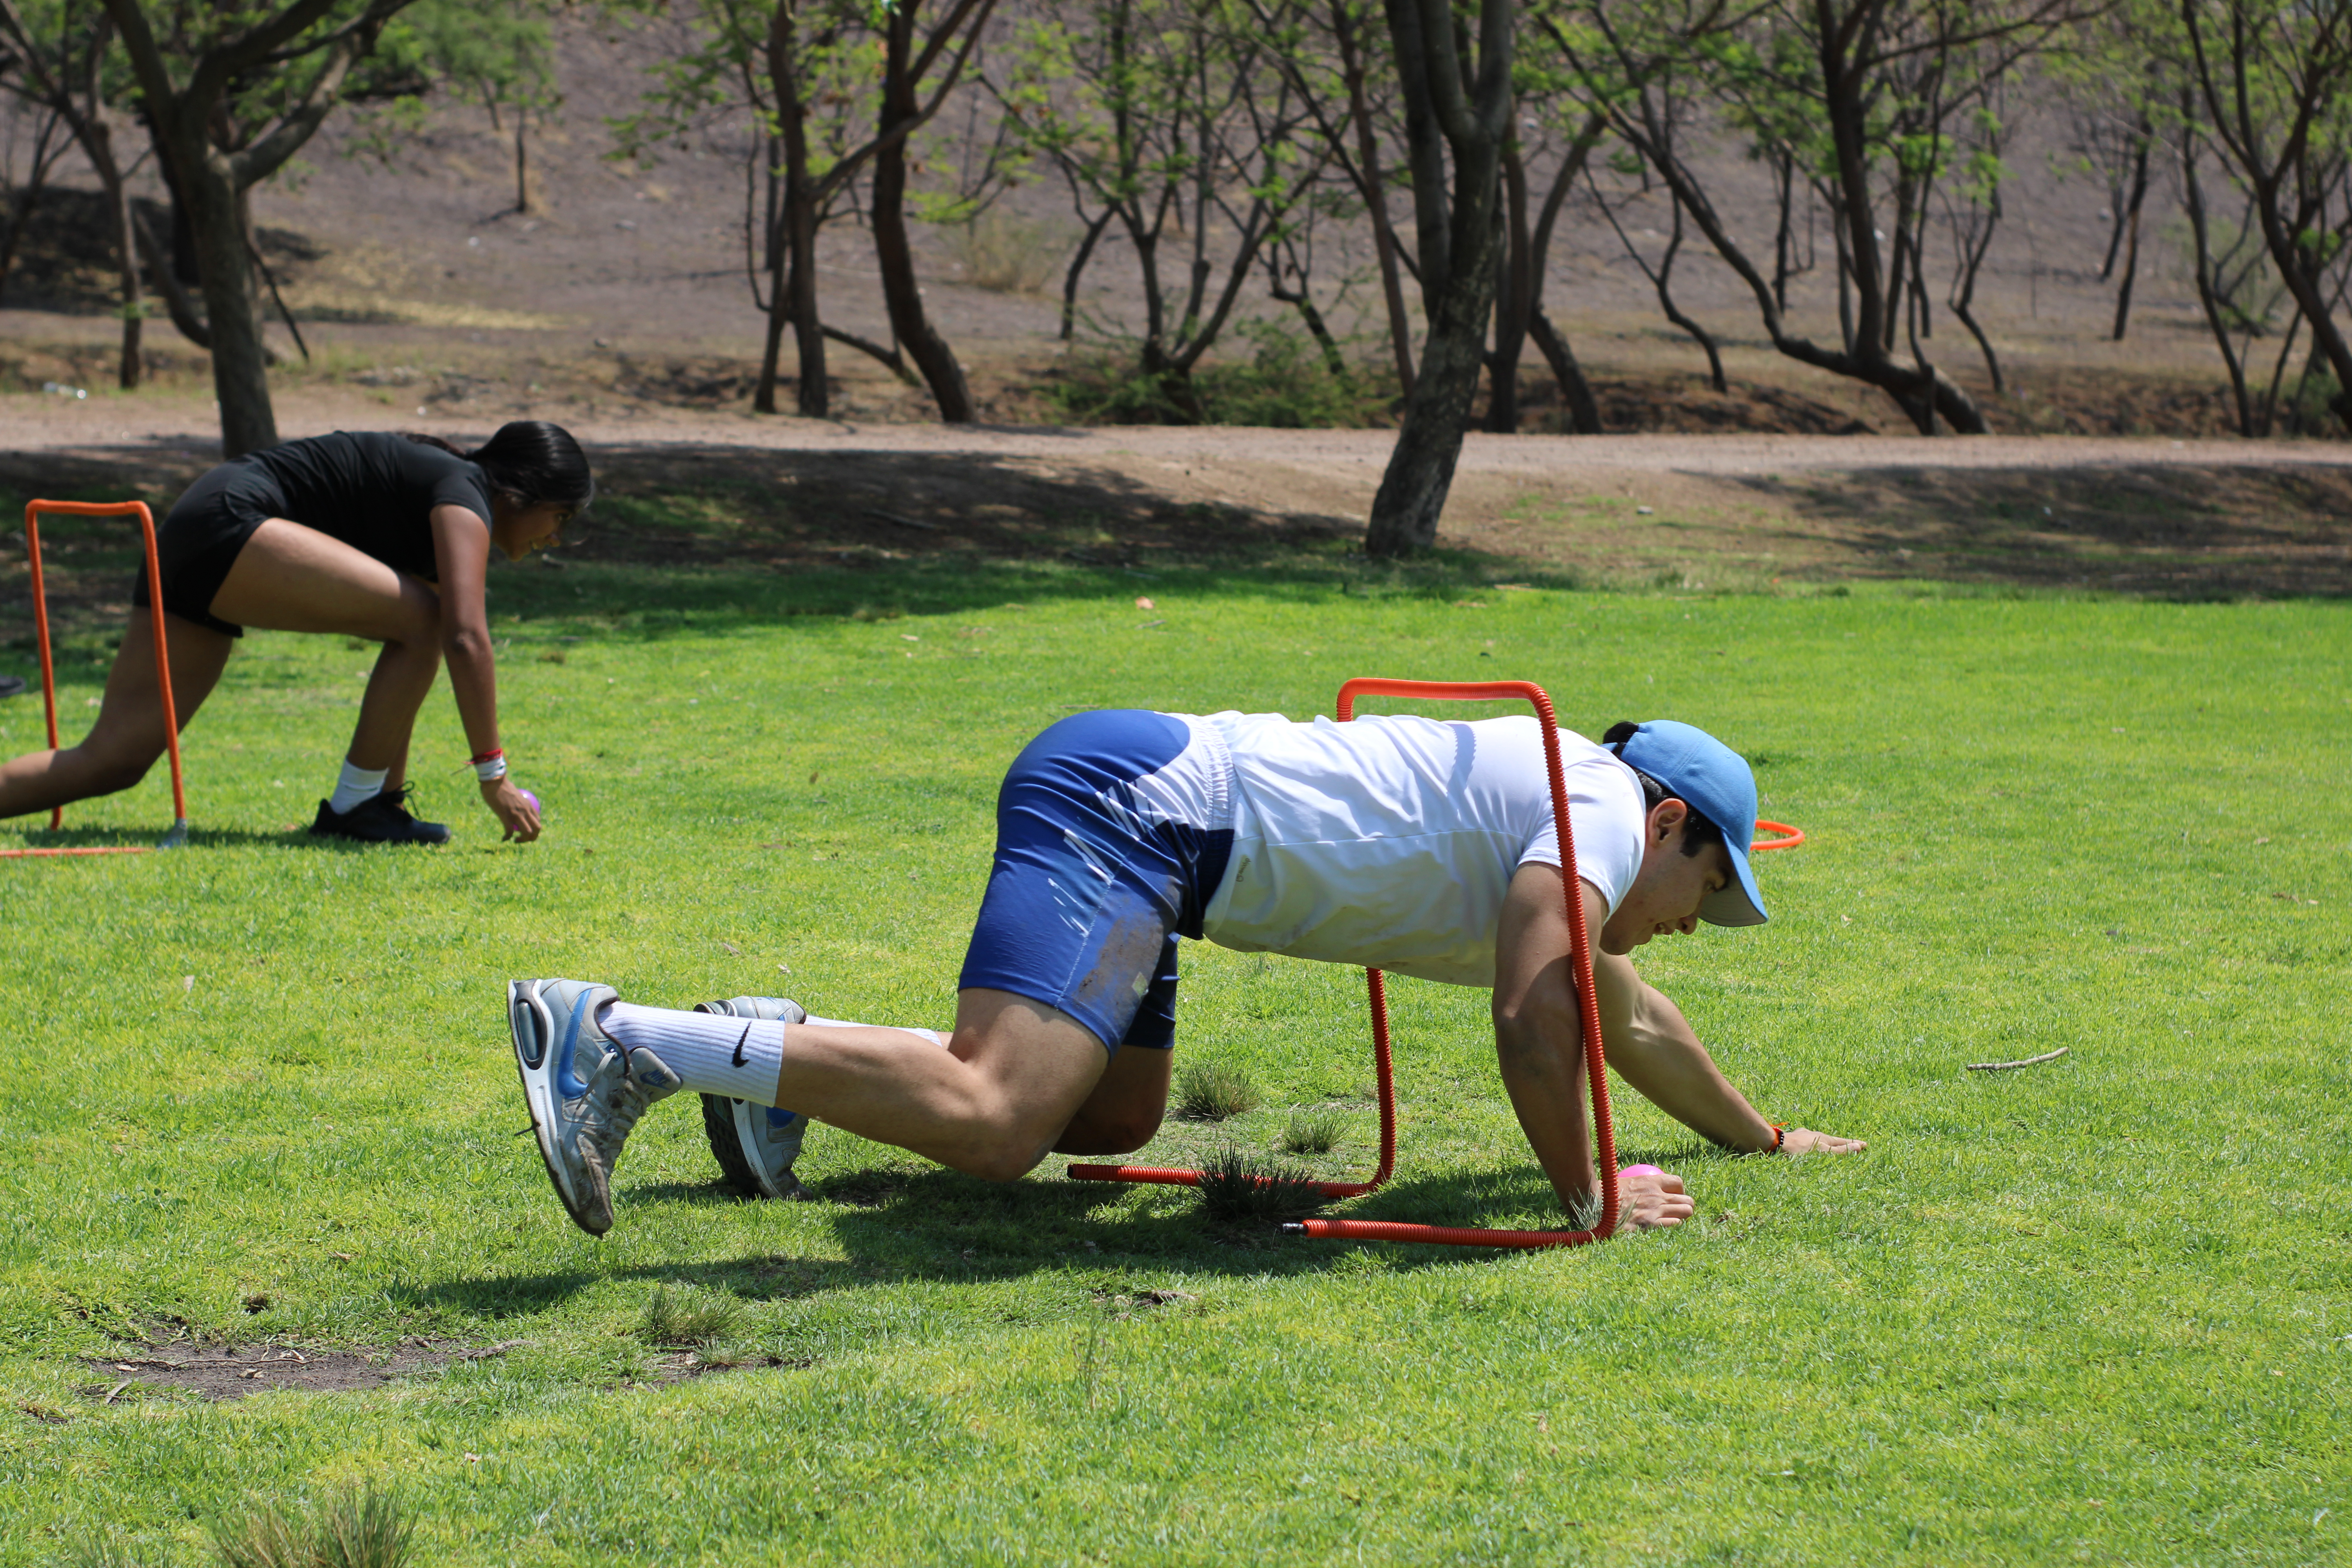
[1112,832]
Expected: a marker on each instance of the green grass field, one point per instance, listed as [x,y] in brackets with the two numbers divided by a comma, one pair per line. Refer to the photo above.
[2094,1310]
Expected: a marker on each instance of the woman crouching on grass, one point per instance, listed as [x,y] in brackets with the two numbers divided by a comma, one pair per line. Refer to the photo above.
[385,537]
[1422,848]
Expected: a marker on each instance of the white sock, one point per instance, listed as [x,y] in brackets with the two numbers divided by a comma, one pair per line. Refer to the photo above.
[713,1053]
[355,786]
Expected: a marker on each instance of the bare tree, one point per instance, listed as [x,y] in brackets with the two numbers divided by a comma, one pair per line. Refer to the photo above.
[2269,77]
[189,58]
[1330,53]
[1179,125]
[51,138]
[67,72]
[920,66]
[2238,288]
[1524,262]
[1971,215]
[1869,82]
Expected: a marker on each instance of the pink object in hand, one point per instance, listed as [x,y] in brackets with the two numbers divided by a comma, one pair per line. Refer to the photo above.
[529,797]
[1642,1171]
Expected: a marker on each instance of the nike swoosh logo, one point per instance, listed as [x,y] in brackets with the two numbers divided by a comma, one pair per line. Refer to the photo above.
[740,1043]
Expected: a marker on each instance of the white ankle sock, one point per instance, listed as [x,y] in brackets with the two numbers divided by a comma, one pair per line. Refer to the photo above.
[355,786]
[713,1053]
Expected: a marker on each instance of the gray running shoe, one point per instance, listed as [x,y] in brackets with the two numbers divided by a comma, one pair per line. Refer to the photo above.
[756,1144]
[585,1092]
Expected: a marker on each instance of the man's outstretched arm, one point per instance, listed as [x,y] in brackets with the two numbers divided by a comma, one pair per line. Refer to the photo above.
[1538,1042]
[1654,1049]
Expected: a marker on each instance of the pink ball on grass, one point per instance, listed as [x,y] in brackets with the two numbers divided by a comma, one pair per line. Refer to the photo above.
[1642,1171]
[529,797]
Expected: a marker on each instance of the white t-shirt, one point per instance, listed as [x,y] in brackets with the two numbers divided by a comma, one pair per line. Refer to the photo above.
[1389,842]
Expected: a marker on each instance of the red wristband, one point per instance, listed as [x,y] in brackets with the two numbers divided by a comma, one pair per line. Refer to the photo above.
[493,754]
[1780,1136]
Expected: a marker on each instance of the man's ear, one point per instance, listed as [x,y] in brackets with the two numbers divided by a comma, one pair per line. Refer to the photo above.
[1666,817]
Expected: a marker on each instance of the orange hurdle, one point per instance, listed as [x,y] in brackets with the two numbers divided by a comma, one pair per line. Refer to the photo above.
[137,509]
[1580,950]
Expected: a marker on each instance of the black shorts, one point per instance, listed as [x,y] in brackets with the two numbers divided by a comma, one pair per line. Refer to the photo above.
[200,536]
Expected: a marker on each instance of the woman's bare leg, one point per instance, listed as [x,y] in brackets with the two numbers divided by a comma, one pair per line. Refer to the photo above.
[129,734]
[295,579]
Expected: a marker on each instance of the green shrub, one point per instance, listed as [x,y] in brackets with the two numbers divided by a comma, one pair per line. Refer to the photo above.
[1212,1091]
[1235,1188]
[365,1529]
[1284,382]
[1315,1132]
[679,1322]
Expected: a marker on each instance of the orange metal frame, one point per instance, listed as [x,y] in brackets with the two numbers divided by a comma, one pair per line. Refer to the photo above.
[1581,947]
[33,510]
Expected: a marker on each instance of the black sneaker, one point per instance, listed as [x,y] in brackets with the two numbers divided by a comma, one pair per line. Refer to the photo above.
[383,820]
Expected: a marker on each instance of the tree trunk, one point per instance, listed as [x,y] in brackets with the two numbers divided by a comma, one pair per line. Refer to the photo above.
[1583,413]
[1514,296]
[1698,334]
[1457,251]
[1575,394]
[133,306]
[2128,231]
[894,253]
[232,305]
[522,162]
[2193,203]
[45,154]
[780,313]
[1374,191]
[1413,492]
[1077,269]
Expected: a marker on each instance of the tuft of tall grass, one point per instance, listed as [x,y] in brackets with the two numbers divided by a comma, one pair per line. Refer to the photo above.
[679,1322]
[1314,1132]
[1212,1091]
[1236,1189]
[363,1528]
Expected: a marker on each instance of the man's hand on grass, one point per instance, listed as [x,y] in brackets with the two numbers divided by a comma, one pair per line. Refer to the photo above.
[1645,1202]
[1805,1141]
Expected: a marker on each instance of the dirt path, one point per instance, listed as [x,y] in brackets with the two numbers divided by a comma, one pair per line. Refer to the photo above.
[48,424]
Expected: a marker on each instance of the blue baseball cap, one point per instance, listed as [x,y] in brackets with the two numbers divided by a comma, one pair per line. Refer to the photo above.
[1714,781]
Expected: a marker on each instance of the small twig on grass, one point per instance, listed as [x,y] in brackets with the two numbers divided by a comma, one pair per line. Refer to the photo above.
[2026,1062]
[903,522]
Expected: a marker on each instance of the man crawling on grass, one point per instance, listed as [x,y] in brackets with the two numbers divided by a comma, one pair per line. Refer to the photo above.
[1411,845]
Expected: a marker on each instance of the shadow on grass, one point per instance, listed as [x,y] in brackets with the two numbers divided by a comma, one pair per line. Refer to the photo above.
[700,538]
[2173,533]
[899,1226]
[72,837]
[704,538]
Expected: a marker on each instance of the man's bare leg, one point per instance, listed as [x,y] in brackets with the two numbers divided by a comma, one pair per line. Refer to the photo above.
[1126,1106]
[991,1105]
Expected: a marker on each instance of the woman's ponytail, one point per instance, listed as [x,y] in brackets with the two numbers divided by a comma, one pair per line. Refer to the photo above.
[531,460]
